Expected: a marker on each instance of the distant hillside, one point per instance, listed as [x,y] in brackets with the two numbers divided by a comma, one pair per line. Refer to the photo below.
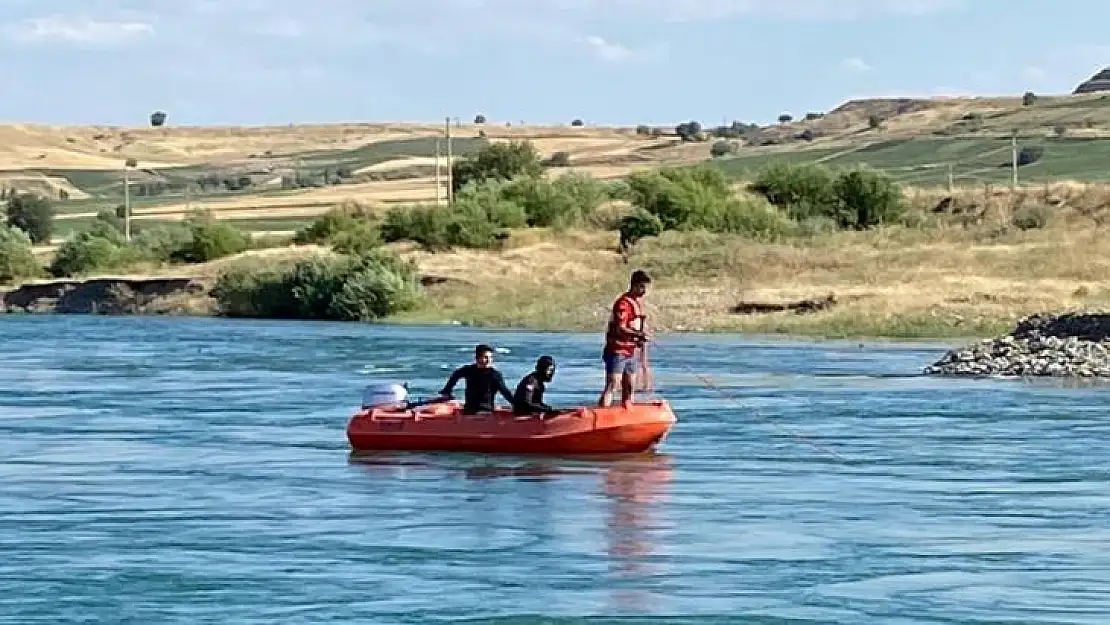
[280,176]
[1098,82]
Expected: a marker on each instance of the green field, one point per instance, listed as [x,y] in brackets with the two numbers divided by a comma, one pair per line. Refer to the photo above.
[925,160]
[106,186]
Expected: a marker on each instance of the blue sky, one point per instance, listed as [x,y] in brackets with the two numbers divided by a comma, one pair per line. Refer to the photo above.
[605,61]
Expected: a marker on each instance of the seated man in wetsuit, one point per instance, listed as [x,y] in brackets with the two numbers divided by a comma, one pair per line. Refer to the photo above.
[483,381]
[528,398]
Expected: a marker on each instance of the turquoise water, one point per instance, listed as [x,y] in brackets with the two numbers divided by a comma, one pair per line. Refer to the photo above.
[196,471]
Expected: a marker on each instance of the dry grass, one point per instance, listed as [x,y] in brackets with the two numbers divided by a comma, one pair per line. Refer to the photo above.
[105,148]
[967,272]
[895,282]
[942,281]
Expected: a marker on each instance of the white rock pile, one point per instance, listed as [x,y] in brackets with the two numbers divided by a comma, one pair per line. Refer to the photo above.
[1067,345]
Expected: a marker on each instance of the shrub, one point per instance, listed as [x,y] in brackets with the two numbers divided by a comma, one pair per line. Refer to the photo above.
[857,198]
[639,225]
[17,258]
[558,159]
[157,118]
[1028,98]
[566,201]
[324,227]
[874,121]
[209,240]
[643,130]
[578,123]
[1028,156]
[163,243]
[1031,216]
[722,148]
[32,214]
[803,190]
[688,131]
[362,287]
[694,198]
[100,248]
[437,228]
[112,219]
[479,119]
[866,198]
[753,217]
[360,239]
[680,196]
[498,161]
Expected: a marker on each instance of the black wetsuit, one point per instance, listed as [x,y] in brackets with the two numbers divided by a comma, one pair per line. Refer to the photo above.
[482,384]
[528,398]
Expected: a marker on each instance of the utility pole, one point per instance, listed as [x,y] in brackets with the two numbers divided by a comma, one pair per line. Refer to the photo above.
[450,172]
[1014,160]
[127,202]
[951,180]
[438,183]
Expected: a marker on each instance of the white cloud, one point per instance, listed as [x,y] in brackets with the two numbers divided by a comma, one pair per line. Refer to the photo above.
[80,31]
[855,65]
[608,51]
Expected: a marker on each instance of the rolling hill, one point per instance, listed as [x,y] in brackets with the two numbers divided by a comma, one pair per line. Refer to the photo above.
[279,177]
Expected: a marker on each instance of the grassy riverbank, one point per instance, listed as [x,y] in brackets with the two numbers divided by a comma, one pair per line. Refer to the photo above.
[520,249]
[892,282]
[896,282]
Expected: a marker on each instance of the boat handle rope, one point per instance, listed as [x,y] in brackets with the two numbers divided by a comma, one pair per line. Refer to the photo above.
[752,410]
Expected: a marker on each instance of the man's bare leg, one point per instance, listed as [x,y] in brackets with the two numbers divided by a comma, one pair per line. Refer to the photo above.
[628,385]
[611,384]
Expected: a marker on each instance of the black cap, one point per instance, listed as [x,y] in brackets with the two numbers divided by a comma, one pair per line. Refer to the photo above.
[544,362]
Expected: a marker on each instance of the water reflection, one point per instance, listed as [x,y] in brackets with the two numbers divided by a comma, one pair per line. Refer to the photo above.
[636,490]
[633,487]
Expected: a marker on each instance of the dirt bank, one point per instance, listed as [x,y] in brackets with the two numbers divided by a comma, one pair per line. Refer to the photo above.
[112,296]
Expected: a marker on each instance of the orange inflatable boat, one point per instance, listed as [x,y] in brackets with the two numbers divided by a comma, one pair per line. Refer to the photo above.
[575,431]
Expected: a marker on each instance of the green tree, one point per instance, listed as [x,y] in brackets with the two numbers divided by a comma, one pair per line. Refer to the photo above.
[498,161]
[866,198]
[32,214]
[17,258]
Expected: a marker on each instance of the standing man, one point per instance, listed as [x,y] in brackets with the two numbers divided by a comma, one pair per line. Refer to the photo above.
[623,337]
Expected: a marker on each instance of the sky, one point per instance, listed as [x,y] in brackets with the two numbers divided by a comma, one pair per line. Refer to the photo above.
[534,61]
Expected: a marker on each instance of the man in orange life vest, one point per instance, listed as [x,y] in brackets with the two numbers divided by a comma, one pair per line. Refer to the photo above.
[623,338]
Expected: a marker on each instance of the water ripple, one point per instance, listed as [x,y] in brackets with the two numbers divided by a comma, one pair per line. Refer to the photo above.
[196,471]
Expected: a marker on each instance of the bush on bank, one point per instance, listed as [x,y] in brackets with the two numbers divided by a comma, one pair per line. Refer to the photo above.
[484,212]
[17,258]
[857,199]
[103,247]
[506,189]
[358,287]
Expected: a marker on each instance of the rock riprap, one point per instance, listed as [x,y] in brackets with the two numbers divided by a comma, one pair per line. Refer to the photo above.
[1067,345]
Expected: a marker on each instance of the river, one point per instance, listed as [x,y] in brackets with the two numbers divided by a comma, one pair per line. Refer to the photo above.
[196,471]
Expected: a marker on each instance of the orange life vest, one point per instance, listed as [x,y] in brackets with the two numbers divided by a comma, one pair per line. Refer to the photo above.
[617,341]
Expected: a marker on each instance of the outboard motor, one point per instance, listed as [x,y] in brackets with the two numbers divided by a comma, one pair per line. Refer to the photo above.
[385,394]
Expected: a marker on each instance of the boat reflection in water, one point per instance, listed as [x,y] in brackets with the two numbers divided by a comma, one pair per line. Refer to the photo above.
[634,488]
